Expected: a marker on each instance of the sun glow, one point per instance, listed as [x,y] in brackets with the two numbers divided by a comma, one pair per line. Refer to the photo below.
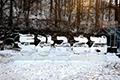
[86,3]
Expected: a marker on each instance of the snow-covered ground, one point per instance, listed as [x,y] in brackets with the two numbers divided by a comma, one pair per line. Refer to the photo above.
[57,65]
[44,62]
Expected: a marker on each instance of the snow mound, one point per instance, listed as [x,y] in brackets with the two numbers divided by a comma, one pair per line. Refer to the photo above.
[58,64]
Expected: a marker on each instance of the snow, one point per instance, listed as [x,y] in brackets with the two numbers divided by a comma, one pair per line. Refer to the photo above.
[50,41]
[26,38]
[100,43]
[80,47]
[42,38]
[81,44]
[44,62]
[53,65]
[96,46]
[101,39]
[81,39]
[65,40]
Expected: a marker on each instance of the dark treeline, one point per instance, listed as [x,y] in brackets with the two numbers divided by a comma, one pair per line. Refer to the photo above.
[81,16]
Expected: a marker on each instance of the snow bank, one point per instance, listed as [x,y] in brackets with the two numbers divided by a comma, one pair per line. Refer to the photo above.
[56,70]
[49,63]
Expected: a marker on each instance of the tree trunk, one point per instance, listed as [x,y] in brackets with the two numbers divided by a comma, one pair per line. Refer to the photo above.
[51,8]
[97,14]
[1,12]
[78,13]
[10,24]
[56,14]
[116,10]
[119,13]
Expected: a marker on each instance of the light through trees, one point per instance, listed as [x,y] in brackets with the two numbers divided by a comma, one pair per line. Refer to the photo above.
[84,16]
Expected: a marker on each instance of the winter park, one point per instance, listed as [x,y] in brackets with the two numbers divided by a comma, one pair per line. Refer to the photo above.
[59,39]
